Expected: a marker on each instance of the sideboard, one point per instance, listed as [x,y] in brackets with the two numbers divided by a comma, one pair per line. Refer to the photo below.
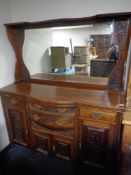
[79,125]
[77,118]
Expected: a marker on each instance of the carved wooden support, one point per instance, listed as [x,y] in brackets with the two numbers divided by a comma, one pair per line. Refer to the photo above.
[121,35]
[16,37]
[115,80]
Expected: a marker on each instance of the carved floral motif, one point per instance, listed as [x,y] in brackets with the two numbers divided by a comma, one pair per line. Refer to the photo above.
[16,122]
[94,144]
[61,149]
[69,132]
[50,109]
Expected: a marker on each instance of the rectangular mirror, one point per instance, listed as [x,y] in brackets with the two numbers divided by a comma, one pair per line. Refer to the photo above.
[82,50]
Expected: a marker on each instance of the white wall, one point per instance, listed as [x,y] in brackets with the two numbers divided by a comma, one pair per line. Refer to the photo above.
[35,50]
[61,37]
[7,62]
[31,10]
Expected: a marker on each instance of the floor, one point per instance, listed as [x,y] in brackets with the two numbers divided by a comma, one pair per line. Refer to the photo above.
[20,160]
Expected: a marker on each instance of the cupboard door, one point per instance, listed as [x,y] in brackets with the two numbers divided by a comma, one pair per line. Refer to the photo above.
[94,144]
[17,124]
[63,148]
[41,143]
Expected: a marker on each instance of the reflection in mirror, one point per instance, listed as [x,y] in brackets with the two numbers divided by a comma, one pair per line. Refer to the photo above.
[87,50]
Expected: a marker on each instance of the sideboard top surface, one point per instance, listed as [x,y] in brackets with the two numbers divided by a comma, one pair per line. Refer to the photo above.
[64,95]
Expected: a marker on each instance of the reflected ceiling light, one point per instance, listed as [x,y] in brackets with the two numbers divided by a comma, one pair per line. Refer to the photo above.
[72,27]
[111,28]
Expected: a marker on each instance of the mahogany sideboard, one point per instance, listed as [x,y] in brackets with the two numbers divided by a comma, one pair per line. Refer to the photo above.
[75,118]
[79,125]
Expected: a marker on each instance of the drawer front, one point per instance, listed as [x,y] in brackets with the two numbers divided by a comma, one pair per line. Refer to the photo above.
[64,133]
[50,121]
[97,115]
[53,109]
[12,99]
[52,118]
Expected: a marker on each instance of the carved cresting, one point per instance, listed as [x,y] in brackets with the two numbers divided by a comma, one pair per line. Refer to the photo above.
[16,37]
[121,33]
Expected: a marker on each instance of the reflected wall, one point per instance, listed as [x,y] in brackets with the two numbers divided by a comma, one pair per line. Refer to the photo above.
[77,45]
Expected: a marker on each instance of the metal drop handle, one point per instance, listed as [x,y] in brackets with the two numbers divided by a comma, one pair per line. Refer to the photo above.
[96,116]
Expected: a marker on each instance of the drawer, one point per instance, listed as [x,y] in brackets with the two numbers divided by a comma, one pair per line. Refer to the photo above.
[70,133]
[57,122]
[12,99]
[53,108]
[97,115]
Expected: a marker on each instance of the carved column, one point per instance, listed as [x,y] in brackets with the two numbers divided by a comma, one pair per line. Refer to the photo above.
[16,37]
[121,36]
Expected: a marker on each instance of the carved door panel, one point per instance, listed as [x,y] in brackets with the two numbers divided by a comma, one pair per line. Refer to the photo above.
[94,144]
[17,124]
[63,149]
[41,143]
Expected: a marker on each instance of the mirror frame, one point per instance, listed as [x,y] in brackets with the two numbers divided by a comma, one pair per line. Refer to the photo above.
[16,35]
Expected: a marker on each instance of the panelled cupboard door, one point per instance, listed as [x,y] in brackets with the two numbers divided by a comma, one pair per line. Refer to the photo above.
[63,148]
[41,143]
[17,125]
[16,118]
[53,146]
[95,143]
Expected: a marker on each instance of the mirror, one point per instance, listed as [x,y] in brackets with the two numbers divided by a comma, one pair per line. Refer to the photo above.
[83,49]
[92,50]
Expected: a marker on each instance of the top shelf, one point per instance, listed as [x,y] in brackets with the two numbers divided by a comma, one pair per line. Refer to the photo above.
[77,81]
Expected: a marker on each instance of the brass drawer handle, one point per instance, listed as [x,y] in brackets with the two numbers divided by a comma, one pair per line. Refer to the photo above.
[96,116]
[37,106]
[35,115]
